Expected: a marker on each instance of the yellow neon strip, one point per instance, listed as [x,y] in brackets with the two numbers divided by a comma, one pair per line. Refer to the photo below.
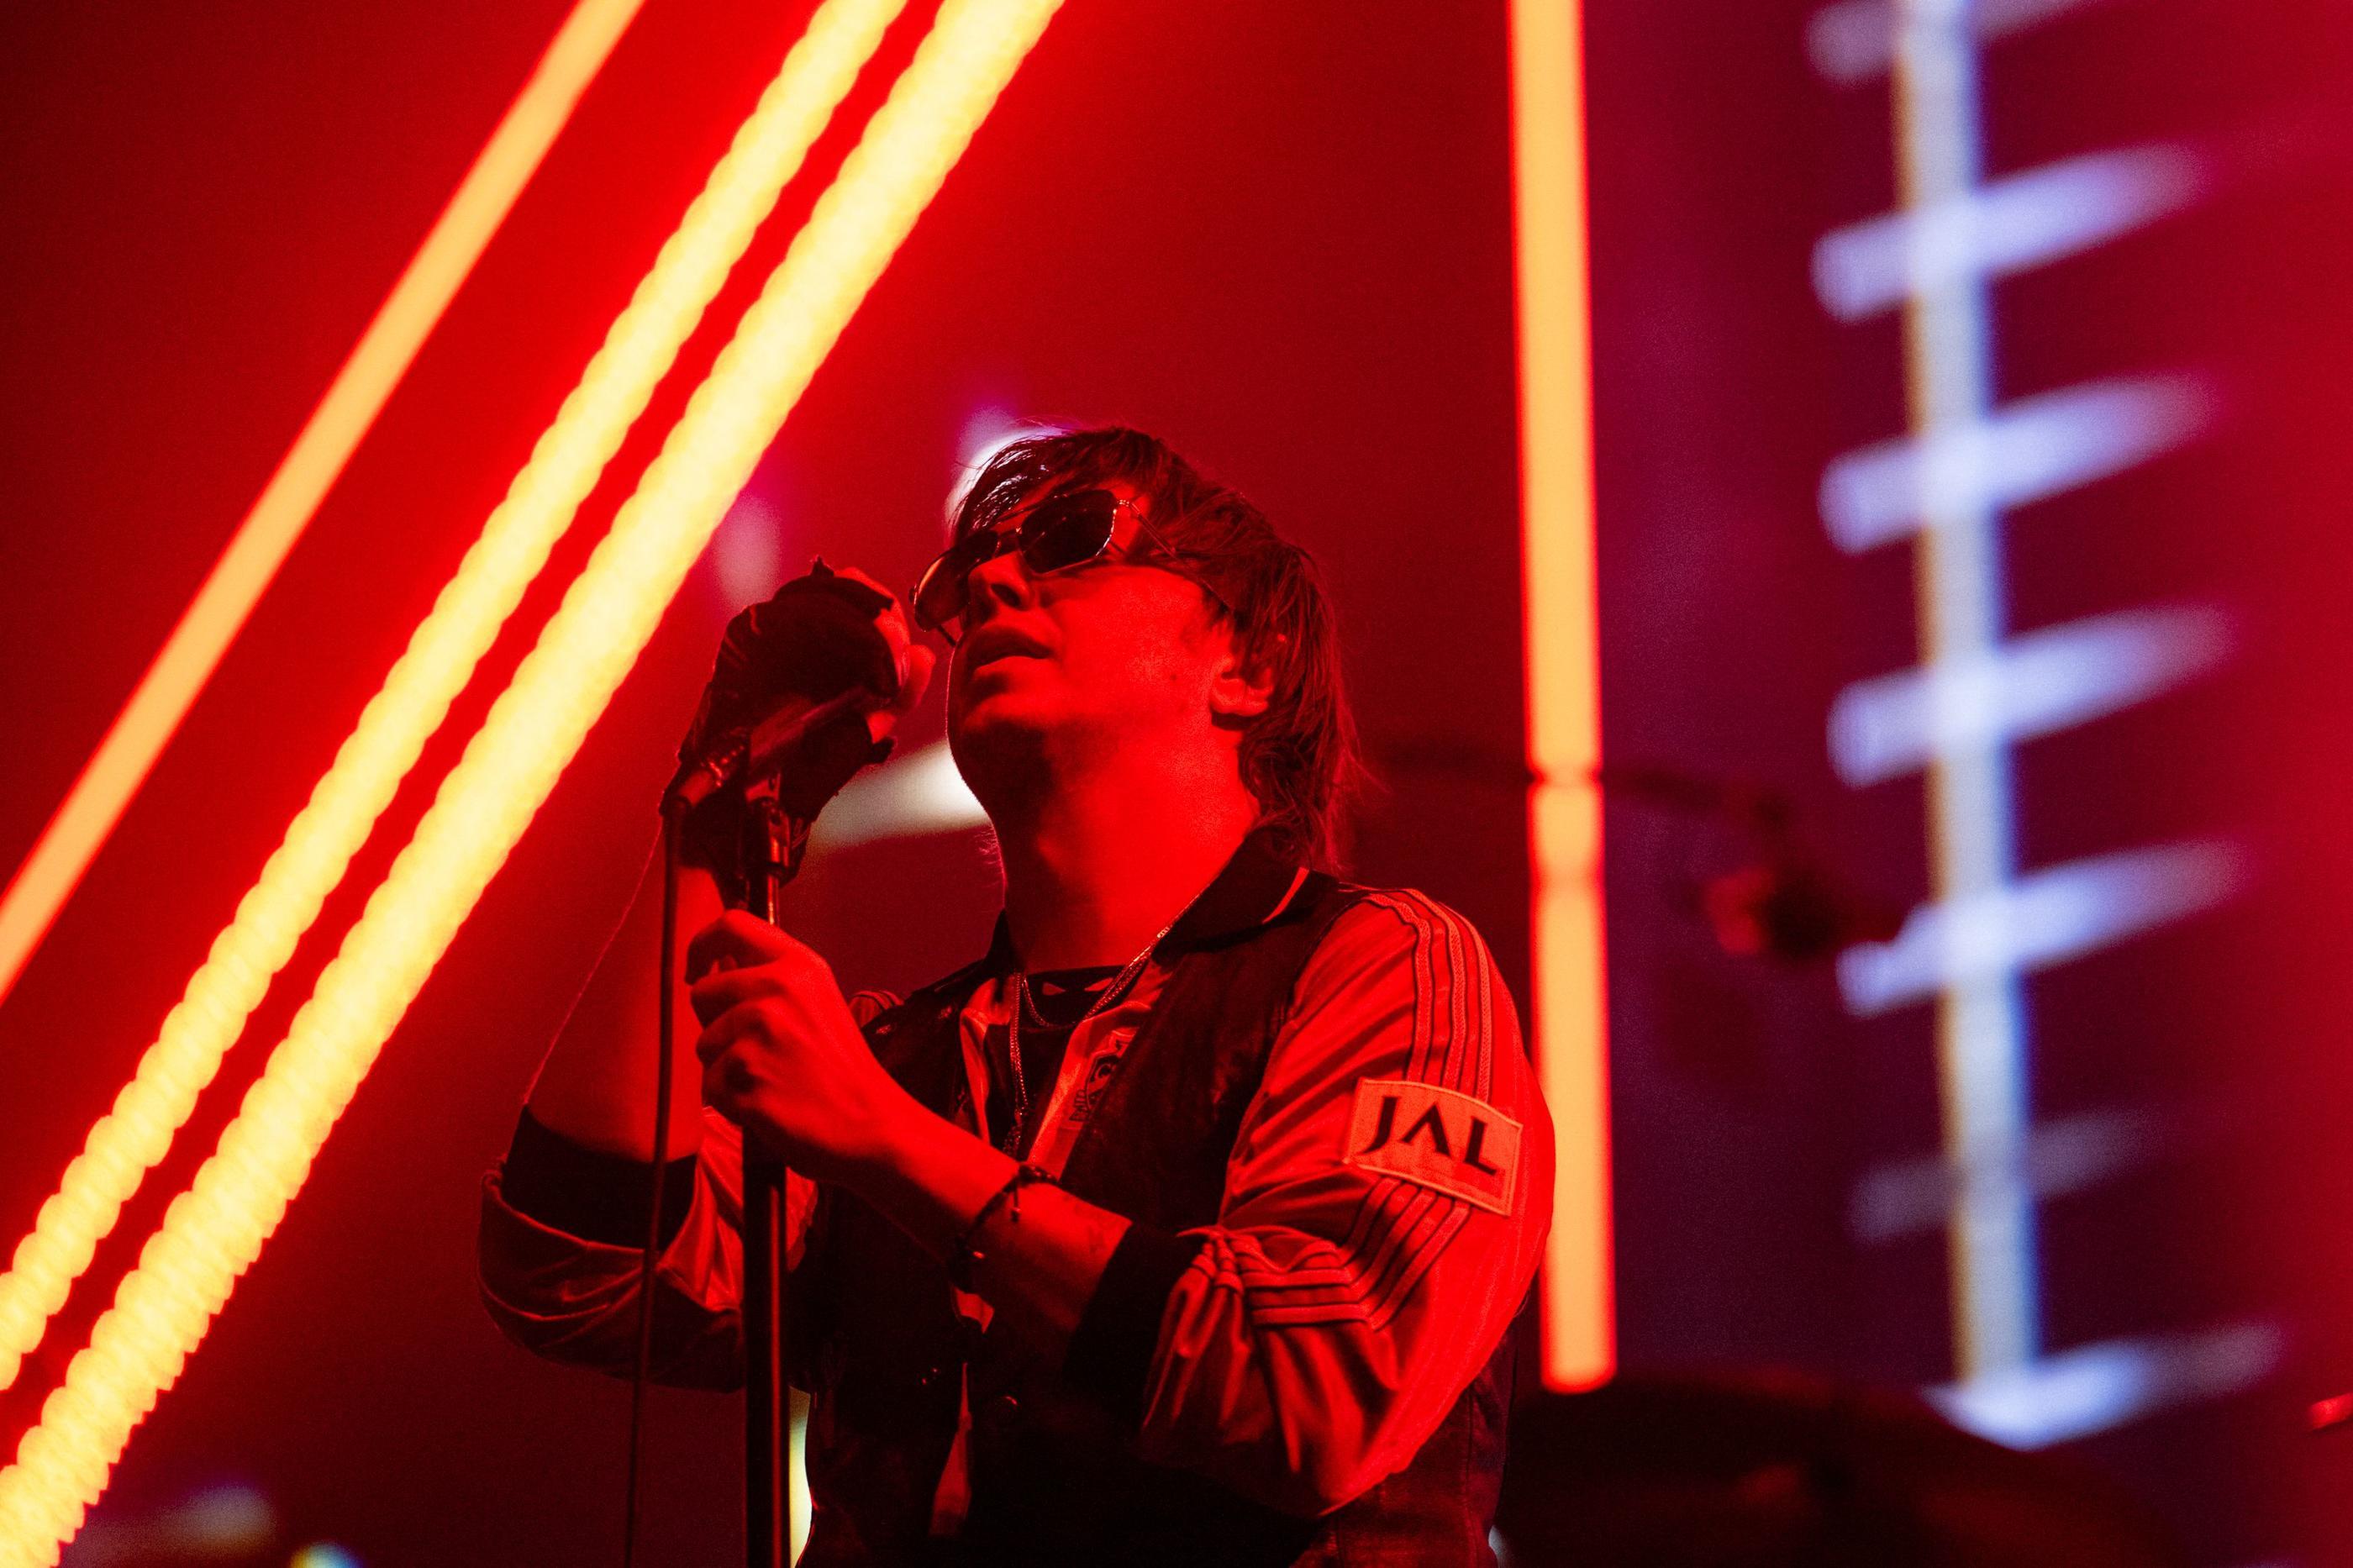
[214,1230]
[1564,679]
[112,776]
[539,506]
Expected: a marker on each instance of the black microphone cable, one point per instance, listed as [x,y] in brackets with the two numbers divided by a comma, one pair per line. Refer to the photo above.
[665,1034]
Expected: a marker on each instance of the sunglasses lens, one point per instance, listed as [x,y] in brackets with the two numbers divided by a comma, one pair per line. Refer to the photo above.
[1063,531]
[940,595]
[1067,529]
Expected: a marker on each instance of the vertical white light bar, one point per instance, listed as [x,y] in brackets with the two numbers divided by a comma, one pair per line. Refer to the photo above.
[1980,1017]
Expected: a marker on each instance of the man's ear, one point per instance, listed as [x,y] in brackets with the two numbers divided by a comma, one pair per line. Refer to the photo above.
[1242,686]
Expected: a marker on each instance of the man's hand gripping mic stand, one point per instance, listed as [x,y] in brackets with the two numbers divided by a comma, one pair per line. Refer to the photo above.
[782,727]
[774,838]
[773,846]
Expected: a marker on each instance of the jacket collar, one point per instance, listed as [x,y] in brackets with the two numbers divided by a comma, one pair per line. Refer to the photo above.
[1257,885]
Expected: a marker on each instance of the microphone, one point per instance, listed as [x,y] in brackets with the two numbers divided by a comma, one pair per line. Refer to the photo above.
[788,696]
[774,746]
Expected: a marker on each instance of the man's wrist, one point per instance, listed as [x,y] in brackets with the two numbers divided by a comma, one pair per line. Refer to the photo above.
[929,1175]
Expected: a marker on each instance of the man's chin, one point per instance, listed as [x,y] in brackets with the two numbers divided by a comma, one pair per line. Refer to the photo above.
[1000,709]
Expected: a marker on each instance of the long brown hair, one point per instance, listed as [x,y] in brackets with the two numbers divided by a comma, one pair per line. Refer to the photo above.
[1300,759]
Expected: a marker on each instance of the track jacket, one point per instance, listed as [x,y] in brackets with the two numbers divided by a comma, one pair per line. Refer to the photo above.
[1316,1109]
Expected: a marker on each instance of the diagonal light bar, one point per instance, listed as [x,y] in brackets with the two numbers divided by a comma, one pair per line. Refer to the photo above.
[71,838]
[214,1230]
[638,349]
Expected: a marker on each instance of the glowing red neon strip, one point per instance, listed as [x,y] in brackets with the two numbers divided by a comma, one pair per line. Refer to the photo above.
[1570,1021]
[310,468]
[540,505]
[212,1233]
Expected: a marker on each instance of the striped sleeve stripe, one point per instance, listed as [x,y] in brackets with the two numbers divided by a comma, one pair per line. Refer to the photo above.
[866,1006]
[1373,1229]
[1374,1314]
[1369,1295]
[1361,1269]
[1372,1289]
[1399,1228]
[1393,1281]
[1467,1041]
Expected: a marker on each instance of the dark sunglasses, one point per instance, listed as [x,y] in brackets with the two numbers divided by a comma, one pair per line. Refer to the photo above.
[1057,533]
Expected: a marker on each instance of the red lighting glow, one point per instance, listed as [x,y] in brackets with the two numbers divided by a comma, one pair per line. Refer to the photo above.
[1569,1023]
[213,1231]
[71,838]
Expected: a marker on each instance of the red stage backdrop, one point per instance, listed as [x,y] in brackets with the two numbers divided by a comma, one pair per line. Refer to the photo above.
[1281,235]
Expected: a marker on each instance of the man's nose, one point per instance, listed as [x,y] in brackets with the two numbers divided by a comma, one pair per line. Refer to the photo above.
[1001,582]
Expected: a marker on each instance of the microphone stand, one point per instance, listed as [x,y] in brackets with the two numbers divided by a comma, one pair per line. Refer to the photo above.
[773,845]
[774,838]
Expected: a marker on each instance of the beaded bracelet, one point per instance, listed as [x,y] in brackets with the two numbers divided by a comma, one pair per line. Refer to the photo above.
[966,1256]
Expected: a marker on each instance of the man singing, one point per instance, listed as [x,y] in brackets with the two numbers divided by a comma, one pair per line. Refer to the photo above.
[1182,1227]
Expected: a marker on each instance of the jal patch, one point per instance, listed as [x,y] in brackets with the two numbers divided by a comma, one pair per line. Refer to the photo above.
[1436,1138]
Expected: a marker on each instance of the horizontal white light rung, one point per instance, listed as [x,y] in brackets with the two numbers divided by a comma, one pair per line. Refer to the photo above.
[2052,915]
[2033,685]
[1854,40]
[2024,451]
[2064,1155]
[2006,226]
[2098,1387]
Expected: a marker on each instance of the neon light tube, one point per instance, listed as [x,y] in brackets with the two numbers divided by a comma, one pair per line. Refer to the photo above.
[216,1229]
[71,838]
[317,850]
[1570,1025]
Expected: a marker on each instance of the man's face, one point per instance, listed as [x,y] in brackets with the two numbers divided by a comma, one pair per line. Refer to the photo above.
[1107,653]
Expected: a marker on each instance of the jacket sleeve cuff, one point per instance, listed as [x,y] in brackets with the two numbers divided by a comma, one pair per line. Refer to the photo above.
[585,1193]
[1112,1349]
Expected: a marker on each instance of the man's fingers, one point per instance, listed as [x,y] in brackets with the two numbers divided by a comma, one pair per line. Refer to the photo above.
[915,663]
[735,940]
[915,676]
[723,988]
[722,1032]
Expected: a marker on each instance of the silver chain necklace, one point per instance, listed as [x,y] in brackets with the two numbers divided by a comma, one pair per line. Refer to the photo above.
[1119,987]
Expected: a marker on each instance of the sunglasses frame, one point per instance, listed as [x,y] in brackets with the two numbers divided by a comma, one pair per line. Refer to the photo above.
[1008,540]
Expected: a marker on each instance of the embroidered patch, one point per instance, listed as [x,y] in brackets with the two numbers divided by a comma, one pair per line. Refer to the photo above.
[1096,1079]
[1435,1137]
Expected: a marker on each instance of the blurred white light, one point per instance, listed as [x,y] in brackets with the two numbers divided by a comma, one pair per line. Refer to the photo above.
[2025,451]
[2074,1393]
[220,1523]
[916,793]
[2064,1155]
[2033,685]
[2003,227]
[2041,919]
[227,1519]
[989,431]
[1979,689]
[1855,39]
[324,1554]
[747,555]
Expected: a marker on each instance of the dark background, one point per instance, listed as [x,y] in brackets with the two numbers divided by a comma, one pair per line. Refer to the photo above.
[1279,235]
